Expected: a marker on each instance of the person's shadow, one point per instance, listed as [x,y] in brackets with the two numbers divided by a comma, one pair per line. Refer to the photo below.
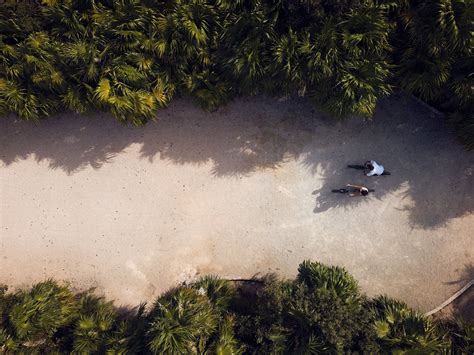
[431,175]
[430,170]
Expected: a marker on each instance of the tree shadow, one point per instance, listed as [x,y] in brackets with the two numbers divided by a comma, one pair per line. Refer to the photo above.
[238,140]
[69,142]
[464,305]
[432,176]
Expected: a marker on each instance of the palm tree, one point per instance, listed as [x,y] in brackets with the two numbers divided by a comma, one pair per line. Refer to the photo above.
[7,339]
[353,50]
[131,57]
[433,36]
[433,57]
[181,321]
[225,342]
[31,81]
[94,325]
[401,329]
[83,51]
[108,68]
[129,335]
[35,316]
[328,310]
[244,45]
[462,336]
[321,311]
[185,33]
[328,278]
[220,292]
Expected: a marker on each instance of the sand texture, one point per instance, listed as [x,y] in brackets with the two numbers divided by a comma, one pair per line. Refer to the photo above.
[241,191]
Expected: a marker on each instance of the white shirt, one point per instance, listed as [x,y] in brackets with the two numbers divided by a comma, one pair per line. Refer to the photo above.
[377,170]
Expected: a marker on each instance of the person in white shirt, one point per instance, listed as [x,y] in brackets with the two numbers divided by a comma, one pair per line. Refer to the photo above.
[375,169]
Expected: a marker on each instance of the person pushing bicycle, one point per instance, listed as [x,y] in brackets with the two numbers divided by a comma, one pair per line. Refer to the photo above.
[374,168]
[371,168]
[354,190]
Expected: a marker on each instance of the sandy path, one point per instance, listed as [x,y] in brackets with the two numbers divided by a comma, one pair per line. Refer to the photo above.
[133,211]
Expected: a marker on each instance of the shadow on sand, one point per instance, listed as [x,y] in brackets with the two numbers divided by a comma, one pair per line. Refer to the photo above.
[430,171]
[464,305]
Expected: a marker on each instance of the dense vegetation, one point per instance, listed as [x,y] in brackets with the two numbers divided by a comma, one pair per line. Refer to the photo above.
[131,57]
[321,311]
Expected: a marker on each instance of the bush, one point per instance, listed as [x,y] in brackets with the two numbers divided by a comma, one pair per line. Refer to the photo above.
[321,311]
[317,312]
[132,57]
[31,319]
[182,321]
[401,329]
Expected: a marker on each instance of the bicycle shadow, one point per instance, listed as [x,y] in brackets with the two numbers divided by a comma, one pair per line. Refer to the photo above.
[430,172]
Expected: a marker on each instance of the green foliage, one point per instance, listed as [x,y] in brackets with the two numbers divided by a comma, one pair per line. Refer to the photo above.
[434,58]
[226,342]
[181,321]
[322,311]
[43,310]
[219,292]
[30,319]
[131,57]
[95,323]
[434,34]
[462,336]
[31,82]
[333,279]
[400,329]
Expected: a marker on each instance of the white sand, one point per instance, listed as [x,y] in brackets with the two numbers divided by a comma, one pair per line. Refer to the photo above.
[245,190]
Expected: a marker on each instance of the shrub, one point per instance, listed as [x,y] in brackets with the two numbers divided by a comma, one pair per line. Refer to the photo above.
[33,318]
[132,57]
[321,311]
